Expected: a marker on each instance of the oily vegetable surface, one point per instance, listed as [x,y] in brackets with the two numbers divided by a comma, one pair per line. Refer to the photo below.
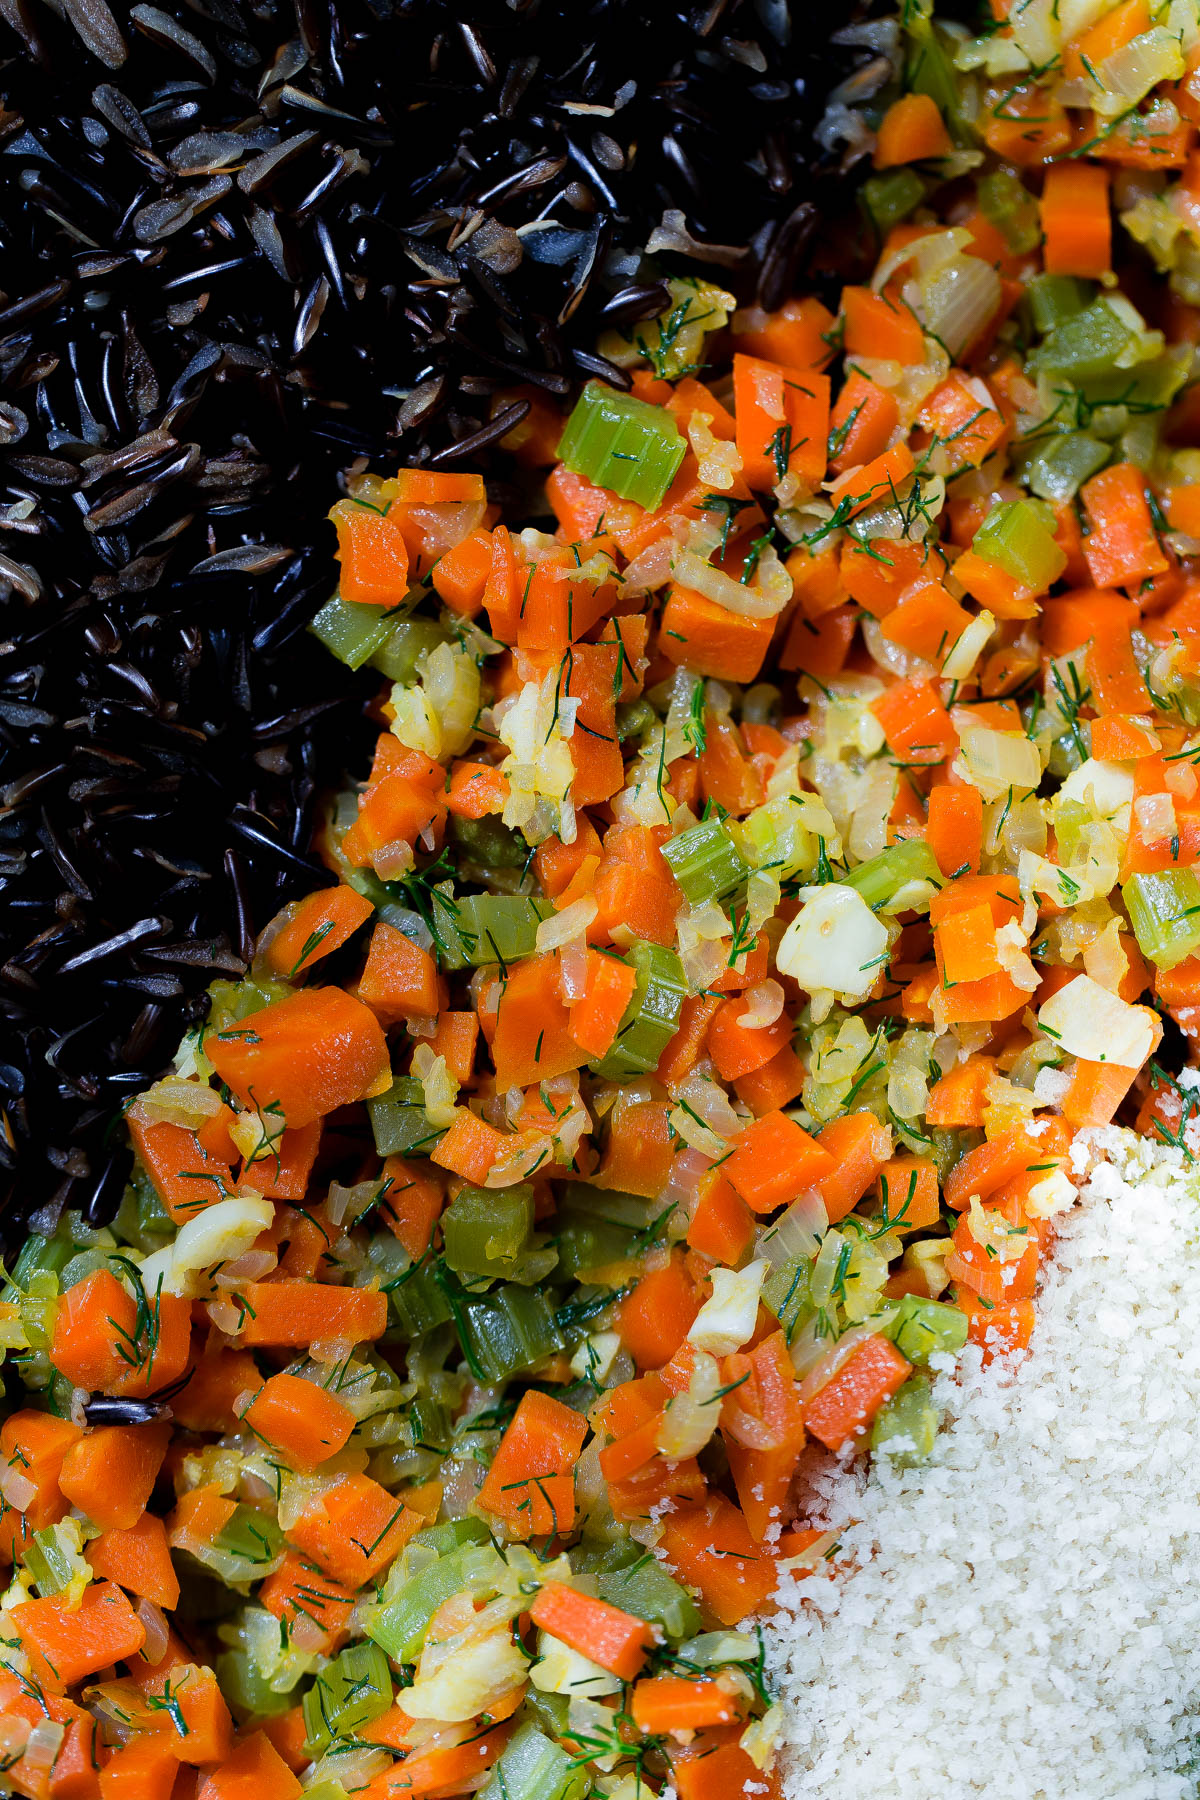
[770,860]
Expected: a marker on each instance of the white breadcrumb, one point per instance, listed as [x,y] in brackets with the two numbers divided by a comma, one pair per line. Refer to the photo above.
[1023,1619]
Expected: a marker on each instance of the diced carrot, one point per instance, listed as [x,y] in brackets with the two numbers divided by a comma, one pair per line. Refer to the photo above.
[640,1150]
[722,1225]
[372,552]
[142,1769]
[687,1046]
[1122,548]
[964,423]
[309,1054]
[185,1177]
[300,1591]
[616,1640]
[304,1421]
[109,1473]
[782,421]
[711,640]
[911,130]
[988,1167]
[281,1169]
[1123,737]
[874,484]
[927,622]
[64,1646]
[656,1317]
[878,326]
[634,889]
[1027,126]
[858,1146]
[840,1412]
[460,575]
[216,1380]
[860,426]
[295,1314]
[773,1160]
[955,828]
[93,1341]
[531,1483]
[470,1147]
[254,1771]
[400,979]
[137,1558]
[1118,27]
[411,1203]
[737,1051]
[999,1330]
[798,334]
[982,1270]
[1096,1091]
[440,1769]
[596,1016]
[773,1086]
[819,647]
[476,789]
[1076,225]
[315,927]
[967,940]
[908,1192]
[354,1529]
[674,1703]
[533,1039]
[710,1547]
[915,723]
[957,1099]
[769,1396]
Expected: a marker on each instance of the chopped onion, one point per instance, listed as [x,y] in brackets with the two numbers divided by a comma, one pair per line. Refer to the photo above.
[796,1234]
[252,1266]
[1085,1020]
[968,647]
[393,860]
[756,600]
[566,926]
[16,1488]
[835,942]
[764,1004]
[155,1626]
[573,969]
[692,1416]
[42,1747]
[817,1361]
[957,302]
[998,761]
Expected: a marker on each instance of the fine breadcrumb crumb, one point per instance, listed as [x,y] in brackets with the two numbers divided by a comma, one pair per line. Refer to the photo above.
[1021,1615]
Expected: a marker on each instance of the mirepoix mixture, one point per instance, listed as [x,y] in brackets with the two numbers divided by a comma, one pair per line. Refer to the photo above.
[772,857]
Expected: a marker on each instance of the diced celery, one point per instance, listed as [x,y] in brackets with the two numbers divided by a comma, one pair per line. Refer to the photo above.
[406,642]
[553,1711]
[1164,910]
[450,1535]
[1007,203]
[50,1563]
[909,1421]
[1018,535]
[929,69]
[326,1789]
[652,1016]
[884,876]
[925,1328]
[418,1300]
[352,632]
[247,1689]
[623,444]
[399,1121]
[585,1242]
[488,842]
[1087,343]
[888,198]
[430,1422]
[532,1768]
[498,928]
[252,1534]
[507,1330]
[785,1293]
[40,1255]
[1061,464]
[1053,298]
[485,1232]
[399,1625]
[633,718]
[646,1590]
[353,1690]
[706,862]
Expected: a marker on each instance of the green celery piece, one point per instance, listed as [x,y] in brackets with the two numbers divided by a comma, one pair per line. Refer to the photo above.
[353,1690]
[706,862]
[399,1625]
[1018,536]
[1053,298]
[929,69]
[1084,345]
[488,842]
[326,1790]
[406,641]
[1060,465]
[633,718]
[251,1534]
[485,1232]
[499,928]
[1164,910]
[52,1569]
[623,444]
[926,1328]
[418,1300]
[652,1016]
[911,1414]
[785,1292]
[533,1768]
[430,1422]
[585,1242]
[41,1256]
[507,1330]
[1007,203]
[353,633]
[451,1535]
[887,199]
[551,1711]
[647,1591]
[247,1690]
[399,1122]
[882,877]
